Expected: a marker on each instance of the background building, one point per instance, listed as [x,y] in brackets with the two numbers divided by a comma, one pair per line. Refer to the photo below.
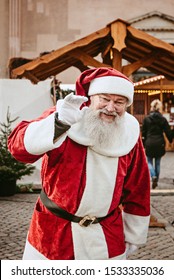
[30,27]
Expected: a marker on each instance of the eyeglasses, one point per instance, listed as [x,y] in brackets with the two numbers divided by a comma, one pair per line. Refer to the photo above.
[105,101]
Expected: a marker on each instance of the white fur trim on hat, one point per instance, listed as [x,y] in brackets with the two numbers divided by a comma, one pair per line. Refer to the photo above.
[112,85]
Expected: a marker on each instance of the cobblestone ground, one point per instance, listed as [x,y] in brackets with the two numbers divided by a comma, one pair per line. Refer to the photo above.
[16,213]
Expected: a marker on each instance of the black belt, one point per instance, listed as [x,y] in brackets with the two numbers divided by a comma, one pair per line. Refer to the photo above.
[58,211]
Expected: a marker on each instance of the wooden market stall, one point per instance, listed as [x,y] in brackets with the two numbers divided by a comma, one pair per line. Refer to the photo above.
[157,87]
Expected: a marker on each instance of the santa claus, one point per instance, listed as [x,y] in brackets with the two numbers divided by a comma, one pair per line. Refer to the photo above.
[95,198]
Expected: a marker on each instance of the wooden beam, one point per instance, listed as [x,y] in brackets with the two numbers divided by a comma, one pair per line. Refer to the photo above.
[31,77]
[107,59]
[153,41]
[53,71]
[161,69]
[118,33]
[81,66]
[117,60]
[55,64]
[86,59]
[143,62]
[136,46]
[162,65]
[106,49]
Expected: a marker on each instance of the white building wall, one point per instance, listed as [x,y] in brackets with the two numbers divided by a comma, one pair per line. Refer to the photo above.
[26,101]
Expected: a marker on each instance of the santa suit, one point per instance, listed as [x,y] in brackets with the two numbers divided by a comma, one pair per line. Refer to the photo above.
[84,179]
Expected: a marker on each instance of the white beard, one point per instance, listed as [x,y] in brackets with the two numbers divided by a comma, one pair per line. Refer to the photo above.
[102,134]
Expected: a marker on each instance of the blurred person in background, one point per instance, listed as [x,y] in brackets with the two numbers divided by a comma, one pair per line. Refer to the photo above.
[153,129]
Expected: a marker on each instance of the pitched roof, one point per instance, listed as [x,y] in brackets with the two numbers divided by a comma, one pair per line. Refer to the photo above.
[105,47]
[152,14]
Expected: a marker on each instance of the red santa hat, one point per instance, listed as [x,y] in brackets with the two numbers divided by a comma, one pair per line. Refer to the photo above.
[104,80]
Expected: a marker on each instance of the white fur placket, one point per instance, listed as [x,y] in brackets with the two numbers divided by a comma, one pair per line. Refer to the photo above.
[89,242]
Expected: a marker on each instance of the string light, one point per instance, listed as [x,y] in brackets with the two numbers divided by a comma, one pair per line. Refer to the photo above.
[149,80]
[154,91]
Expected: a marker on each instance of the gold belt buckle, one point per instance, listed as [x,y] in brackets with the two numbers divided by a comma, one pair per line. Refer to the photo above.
[86,221]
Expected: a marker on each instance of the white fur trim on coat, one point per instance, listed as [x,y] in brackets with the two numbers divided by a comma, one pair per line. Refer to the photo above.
[89,242]
[30,253]
[135,228]
[39,136]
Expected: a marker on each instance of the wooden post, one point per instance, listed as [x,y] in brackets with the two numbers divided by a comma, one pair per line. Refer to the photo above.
[118,33]
[116,60]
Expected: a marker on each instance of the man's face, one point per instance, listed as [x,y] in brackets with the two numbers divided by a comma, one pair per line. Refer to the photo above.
[110,104]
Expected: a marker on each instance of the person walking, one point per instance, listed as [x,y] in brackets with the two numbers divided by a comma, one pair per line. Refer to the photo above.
[95,202]
[153,129]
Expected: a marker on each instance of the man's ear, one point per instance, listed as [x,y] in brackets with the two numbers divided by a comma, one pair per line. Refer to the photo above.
[92,99]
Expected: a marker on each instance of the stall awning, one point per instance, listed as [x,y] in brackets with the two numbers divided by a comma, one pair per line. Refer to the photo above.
[105,47]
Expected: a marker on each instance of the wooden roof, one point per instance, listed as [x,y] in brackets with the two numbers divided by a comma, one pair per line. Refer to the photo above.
[105,47]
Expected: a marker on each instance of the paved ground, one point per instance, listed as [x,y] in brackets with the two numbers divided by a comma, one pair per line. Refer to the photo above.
[16,212]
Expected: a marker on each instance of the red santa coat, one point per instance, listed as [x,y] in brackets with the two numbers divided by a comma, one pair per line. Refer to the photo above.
[83,179]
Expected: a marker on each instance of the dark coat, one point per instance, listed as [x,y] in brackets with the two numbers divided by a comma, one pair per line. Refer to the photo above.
[153,129]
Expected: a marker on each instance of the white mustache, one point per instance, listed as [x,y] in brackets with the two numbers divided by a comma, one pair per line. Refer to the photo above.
[105,111]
